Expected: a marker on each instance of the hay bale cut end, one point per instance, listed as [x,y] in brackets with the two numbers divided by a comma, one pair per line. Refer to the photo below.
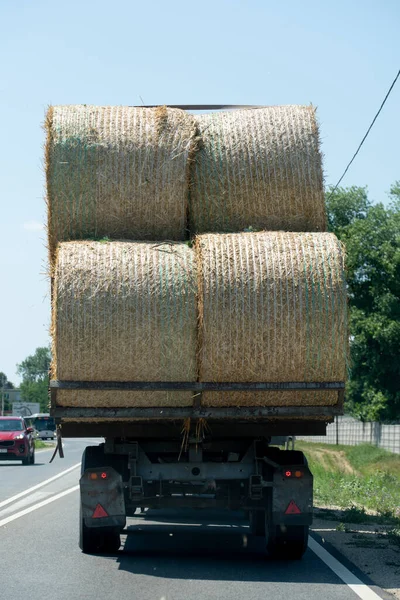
[122,399]
[258,167]
[124,311]
[276,398]
[273,308]
[117,171]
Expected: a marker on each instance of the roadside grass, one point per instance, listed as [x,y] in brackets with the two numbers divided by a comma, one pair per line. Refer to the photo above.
[368,459]
[359,479]
[40,444]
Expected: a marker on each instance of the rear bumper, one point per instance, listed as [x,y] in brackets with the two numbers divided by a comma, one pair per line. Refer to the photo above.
[45,435]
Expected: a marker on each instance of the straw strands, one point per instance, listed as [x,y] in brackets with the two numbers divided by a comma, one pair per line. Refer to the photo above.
[273,309]
[120,172]
[260,168]
[124,311]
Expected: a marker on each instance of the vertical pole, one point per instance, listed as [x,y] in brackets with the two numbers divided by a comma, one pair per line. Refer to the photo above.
[3,383]
[340,404]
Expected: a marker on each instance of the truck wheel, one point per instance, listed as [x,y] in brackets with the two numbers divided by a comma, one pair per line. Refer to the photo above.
[112,541]
[257,522]
[292,457]
[89,540]
[288,543]
[93,456]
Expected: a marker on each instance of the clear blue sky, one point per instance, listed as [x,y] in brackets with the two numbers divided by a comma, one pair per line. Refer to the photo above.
[339,55]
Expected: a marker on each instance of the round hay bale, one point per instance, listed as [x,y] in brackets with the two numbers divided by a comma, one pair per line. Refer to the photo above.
[259,168]
[273,308]
[124,311]
[117,171]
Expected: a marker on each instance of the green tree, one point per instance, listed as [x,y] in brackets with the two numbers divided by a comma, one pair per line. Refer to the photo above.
[371,234]
[34,371]
[345,206]
[8,386]
[36,391]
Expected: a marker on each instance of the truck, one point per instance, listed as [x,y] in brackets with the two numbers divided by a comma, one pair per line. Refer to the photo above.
[195,457]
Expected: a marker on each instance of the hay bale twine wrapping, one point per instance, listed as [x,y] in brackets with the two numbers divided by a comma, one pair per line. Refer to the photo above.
[124,311]
[273,308]
[117,171]
[260,168]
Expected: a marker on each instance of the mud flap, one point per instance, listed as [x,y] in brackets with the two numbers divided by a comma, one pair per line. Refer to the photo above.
[102,498]
[292,497]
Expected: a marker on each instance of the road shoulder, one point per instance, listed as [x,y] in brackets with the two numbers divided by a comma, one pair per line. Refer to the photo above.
[369,550]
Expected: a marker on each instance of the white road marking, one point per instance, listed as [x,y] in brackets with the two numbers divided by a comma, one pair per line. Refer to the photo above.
[363,591]
[39,485]
[26,511]
[24,502]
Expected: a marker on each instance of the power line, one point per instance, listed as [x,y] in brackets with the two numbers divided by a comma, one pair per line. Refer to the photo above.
[366,135]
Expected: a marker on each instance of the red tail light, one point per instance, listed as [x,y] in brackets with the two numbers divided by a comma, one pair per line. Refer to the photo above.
[296,473]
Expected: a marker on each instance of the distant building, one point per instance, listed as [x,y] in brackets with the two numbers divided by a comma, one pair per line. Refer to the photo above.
[11,396]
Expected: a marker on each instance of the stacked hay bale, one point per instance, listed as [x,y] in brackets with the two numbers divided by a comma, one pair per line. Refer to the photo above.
[272,305]
[258,167]
[117,172]
[238,307]
[273,308]
[124,311]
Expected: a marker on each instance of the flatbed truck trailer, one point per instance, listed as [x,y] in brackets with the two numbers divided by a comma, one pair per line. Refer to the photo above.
[195,457]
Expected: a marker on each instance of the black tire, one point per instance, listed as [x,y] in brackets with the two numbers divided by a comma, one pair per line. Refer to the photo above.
[287,543]
[89,538]
[98,540]
[257,522]
[112,541]
[27,460]
[33,457]
[291,457]
[93,456]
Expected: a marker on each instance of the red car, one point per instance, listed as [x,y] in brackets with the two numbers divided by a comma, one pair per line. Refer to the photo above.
[16,440]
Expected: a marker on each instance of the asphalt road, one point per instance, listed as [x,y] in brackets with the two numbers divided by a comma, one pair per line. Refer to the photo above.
[166,555]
